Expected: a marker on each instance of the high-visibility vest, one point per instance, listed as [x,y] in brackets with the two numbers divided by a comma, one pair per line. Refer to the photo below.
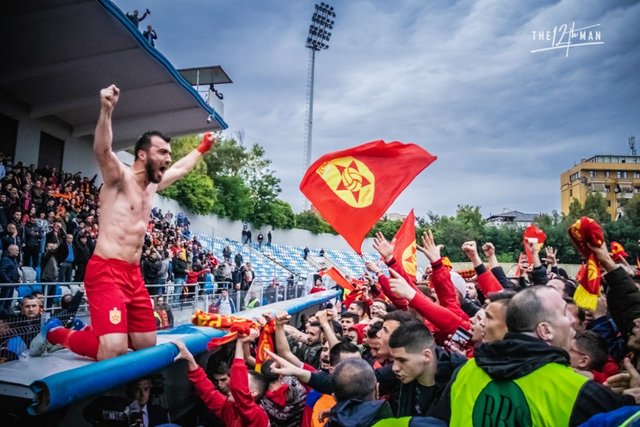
[544,397]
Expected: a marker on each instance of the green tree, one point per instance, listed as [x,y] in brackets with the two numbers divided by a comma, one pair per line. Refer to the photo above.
[241,170]
[387,227]
[309,220]
[632,212]
[595,206]
[234,199]
[195,191]
[280,215]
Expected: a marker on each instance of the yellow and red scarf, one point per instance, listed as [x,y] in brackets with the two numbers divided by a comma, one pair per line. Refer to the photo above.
[236,326]
[583,233]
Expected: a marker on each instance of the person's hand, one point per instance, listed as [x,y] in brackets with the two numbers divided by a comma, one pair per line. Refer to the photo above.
[282,366]
[323,316]
[602,254]
[551,257]
[624,380]
[207,141]
[524,267]
[384,248]
[109,97]
[253,334]
[601,307]
[470,249]
[282,318]
[429,247]
[634,392]
[454,347]
[185,354]
[372,267]
[400,287]
[489,250]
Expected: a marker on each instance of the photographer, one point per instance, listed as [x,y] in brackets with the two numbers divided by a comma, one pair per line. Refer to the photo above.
[141,412]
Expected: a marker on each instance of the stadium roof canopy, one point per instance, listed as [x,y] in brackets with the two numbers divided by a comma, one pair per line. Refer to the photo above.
[57,54]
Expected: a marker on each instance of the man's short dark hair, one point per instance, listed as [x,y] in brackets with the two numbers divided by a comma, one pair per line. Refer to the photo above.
[260,382]
[525,309]
[400,316]
[414,336]
[266,371]
[359,304]
[350,315]
[374,328]
[353,378]
[144,141]
[504,295]
[217,367]
[343,346]
[594,346]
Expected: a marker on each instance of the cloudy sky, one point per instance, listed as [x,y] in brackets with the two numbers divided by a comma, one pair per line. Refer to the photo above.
[456,77]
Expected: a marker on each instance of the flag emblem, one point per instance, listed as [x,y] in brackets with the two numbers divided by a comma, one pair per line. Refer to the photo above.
[350,179]
[410,260]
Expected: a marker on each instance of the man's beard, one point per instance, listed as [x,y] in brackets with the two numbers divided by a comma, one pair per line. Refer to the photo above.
[151,173]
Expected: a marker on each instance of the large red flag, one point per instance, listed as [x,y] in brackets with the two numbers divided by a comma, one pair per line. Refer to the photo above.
[404,251]
[353,188]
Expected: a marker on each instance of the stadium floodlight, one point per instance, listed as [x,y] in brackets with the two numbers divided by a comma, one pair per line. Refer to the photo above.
[317,40]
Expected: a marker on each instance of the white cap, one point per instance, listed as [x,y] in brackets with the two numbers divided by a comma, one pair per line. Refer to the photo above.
[459,283]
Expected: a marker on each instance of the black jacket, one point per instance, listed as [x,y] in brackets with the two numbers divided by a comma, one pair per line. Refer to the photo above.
[623,299]
[389,383]
[518,355]
[355,413]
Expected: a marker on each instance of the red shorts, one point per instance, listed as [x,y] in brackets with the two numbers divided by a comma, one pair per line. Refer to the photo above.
[118,299]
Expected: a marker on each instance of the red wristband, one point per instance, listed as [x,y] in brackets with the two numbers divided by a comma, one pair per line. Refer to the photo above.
[207,142]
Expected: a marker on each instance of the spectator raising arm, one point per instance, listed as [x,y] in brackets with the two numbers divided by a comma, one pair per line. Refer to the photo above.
[441,276]
[487,282]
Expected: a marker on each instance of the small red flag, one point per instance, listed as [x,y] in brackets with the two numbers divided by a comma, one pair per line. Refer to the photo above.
[405,246]
[353,188]
[533,232]
[339,278]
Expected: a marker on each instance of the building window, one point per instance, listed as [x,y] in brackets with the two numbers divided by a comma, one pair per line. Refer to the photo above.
[571,192]
[636,175]
[574,177]
[621,174]
[609,203]
[607,174]
[593,174]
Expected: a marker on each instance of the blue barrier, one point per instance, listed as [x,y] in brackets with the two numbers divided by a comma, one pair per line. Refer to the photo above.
[61,389]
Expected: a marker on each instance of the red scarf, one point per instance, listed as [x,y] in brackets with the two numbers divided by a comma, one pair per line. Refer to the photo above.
[583,233]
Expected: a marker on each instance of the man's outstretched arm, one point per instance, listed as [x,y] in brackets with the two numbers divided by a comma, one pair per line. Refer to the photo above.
[188,162]
[110,166]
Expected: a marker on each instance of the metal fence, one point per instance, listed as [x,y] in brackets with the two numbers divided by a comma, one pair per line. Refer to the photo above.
[21,321]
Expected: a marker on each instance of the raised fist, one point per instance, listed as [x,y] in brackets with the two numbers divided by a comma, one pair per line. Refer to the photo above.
[207,141]
[109,97]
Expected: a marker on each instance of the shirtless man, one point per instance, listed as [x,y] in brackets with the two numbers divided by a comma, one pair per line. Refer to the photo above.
[120,307]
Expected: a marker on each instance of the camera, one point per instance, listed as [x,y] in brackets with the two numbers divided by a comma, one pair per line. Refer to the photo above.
[209,119]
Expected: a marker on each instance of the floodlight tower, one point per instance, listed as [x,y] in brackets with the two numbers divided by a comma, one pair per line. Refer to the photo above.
[317,40]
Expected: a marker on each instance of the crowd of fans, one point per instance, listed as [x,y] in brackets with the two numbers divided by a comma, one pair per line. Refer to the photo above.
[488,350]
[440,350]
